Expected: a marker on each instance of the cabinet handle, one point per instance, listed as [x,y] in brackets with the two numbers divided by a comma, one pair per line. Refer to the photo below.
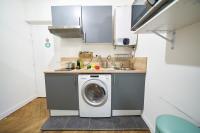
[79,21]
[75,80]
[84,37]
[114,79]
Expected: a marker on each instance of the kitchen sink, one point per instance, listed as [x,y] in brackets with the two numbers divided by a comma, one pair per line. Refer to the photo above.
[122,68]
[118,68]
[64,69]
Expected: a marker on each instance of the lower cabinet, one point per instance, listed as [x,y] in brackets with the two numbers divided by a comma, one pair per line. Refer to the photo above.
[128,91]
[61,91]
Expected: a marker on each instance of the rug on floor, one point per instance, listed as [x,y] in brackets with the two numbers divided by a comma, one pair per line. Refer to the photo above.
[77,123]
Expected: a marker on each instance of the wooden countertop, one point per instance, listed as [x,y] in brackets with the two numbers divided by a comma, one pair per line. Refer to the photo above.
[102,70]
[140,65]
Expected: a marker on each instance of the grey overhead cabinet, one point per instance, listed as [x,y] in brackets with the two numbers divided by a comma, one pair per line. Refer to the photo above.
[61,91]
[66,21]
[97,24]
[128,91]
[66,16]
[92,23]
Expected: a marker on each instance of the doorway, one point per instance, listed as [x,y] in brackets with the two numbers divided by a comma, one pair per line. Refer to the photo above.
[43,50]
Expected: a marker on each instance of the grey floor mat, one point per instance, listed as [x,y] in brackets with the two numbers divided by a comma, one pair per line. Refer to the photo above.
[77,123]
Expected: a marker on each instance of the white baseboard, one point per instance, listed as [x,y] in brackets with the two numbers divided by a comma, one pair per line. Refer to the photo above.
[126,112]
[64,112]
[152,129]
[16,107]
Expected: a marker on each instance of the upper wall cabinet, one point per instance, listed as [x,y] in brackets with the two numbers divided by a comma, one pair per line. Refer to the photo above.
[97,24]
[66,21]
[69,16]
[92,23]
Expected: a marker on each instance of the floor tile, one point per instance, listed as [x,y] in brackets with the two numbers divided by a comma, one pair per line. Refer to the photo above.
[78,123]
[101,123]
[124,123]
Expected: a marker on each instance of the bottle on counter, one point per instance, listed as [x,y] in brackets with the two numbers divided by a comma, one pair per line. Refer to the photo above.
[81,64]
[78,65]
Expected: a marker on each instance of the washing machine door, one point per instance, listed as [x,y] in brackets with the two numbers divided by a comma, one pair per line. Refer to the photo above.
[94,93]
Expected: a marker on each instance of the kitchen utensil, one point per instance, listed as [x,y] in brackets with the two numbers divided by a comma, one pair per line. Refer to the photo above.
[104,64]
[70,65]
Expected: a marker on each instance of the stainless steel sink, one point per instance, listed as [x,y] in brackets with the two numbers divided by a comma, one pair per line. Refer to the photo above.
[122,68]
[64,69]
[118,68]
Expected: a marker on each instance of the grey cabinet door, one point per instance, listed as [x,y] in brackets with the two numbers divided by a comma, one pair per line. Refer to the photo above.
[97,24]
[61,91]
[128,91]
[66,16]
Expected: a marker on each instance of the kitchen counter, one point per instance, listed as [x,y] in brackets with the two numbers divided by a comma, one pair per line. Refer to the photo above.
[139,67]
[101,70]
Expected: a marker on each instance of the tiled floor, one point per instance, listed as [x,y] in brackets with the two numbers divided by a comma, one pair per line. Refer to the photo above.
[113,123]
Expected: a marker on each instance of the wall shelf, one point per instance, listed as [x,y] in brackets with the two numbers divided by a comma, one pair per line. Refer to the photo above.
[178,14]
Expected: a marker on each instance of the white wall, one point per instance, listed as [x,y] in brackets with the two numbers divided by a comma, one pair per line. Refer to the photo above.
[91,2]
[40,10]
[37,10]
[172,79]
[16,64]
[71,47]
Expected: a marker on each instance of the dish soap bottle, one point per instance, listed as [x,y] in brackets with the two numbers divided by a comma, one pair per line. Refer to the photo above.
[81,64]
[78,65]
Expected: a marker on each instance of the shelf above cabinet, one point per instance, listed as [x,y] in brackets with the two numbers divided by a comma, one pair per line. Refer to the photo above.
[66,32]
[178,14]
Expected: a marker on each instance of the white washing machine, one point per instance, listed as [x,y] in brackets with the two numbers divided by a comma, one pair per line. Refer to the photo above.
[94,95]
